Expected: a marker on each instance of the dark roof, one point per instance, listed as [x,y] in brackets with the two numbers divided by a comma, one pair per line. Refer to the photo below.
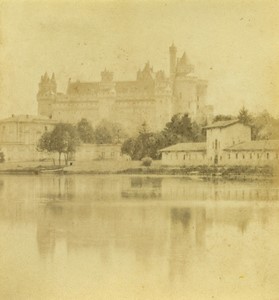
[221,124]
[263,145]
[185,147]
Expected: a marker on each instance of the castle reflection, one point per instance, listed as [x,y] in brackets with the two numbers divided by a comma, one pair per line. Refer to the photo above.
[107,215]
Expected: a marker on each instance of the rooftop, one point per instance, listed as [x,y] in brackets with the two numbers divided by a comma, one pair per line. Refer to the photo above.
[27,119]
[186,147]
[221,124]
[262,145]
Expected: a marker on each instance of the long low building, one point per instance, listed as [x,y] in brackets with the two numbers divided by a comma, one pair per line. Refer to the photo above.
[227,143]
[262,152]
[184,154]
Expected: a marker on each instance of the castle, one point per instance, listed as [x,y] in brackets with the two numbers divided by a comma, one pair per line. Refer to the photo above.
[152,98]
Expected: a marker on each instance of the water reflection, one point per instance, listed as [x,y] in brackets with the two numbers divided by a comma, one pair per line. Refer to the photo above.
[151,225]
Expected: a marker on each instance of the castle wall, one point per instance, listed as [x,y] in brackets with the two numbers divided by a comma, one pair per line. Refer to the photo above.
[185,92]
[152,97]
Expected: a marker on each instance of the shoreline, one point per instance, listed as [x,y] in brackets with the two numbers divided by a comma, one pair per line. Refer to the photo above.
[242,173]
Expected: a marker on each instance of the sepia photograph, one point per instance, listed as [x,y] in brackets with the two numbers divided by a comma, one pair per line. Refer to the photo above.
[139,149]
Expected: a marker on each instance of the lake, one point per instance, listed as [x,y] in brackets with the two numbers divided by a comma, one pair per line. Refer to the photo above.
[133,237]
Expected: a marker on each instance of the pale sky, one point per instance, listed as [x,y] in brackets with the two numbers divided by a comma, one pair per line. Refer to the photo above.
[233,44]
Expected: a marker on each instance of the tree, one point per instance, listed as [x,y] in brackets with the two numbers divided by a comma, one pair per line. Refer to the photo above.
[148,144]
[244,116]
[85,131]
[63,139]
[128,147]
[223,118]
[265,127]
[109,133]
[181,127]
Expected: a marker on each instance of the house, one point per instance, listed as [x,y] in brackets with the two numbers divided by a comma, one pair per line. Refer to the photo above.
[20,134]
[227,143]
[223,134]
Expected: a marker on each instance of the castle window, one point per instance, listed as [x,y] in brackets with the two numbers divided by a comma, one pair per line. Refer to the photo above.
[184,156]
[229,156]
[216,144]
[267,155]
[220,157]
[258,155]
[243,156]
[250,155]
[236,155]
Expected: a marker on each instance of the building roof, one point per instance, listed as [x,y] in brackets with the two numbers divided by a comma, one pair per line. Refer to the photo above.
[222,124]
[185,147]
[272,145]
[28,119]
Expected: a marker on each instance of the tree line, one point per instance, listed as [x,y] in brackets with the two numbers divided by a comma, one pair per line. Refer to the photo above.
[65,137]
[147,144]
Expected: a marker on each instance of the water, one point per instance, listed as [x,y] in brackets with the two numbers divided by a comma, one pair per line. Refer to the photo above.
[122,237]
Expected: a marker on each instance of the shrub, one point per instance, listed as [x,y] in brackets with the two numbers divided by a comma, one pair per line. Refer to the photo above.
[147,161]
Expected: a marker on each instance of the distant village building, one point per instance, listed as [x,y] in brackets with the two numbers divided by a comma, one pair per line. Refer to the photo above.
[152,97]
[20,134]
[227,143]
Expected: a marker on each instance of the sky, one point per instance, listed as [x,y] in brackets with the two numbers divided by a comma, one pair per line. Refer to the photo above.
[232,44]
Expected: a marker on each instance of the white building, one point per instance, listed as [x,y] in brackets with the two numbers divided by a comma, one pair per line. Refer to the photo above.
[223,134]
[227,143]
[20,134]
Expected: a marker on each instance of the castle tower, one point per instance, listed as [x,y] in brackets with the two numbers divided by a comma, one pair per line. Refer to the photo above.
[46,94]
[172,51]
